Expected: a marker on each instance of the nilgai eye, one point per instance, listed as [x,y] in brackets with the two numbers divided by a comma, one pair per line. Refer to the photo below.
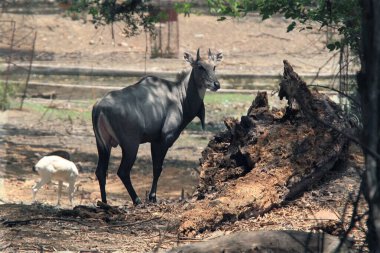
[214,68]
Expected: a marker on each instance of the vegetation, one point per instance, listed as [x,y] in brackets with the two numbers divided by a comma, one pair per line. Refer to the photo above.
[342,16]
[137,15]
[7,93]
[50,111]
[220,104]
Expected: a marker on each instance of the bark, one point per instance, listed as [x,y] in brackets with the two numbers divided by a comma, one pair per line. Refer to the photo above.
[368,82]
[267,157]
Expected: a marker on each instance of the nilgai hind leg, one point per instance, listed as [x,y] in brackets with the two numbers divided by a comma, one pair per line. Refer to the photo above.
[129,153]
[101,170]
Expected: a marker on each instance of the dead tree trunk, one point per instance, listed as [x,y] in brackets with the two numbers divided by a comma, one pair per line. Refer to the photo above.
[267,157]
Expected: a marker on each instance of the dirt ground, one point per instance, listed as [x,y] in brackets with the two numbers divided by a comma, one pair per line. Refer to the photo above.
[325,207]
[26,142]
[249,46]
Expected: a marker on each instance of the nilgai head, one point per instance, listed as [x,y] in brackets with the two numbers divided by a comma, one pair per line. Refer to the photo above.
[204,70]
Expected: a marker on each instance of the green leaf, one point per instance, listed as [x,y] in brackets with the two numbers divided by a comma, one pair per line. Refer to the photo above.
[337,45]
[331,46]
[291,27]
[265,16]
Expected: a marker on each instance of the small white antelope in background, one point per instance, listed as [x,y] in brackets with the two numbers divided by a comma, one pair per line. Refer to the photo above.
[56,168]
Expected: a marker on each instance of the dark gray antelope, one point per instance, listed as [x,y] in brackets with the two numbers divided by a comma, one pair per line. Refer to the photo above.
[153,110]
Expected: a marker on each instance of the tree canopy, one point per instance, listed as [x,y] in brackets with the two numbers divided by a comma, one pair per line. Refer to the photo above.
[137,15]
[342,15]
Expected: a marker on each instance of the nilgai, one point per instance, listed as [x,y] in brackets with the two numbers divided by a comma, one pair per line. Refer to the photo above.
[153,110]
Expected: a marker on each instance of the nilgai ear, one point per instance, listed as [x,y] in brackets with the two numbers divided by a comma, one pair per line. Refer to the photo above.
[188,58]
[210,56]
[215,57]
[219,57]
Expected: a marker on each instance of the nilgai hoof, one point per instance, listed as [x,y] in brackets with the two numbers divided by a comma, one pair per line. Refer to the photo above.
[152,199]
[137,201]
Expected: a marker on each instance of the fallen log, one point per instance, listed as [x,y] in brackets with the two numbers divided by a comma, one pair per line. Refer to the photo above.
[267,157]
[45,95]
[267,241]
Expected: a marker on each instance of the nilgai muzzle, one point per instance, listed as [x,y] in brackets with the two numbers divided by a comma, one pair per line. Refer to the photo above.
[153,110]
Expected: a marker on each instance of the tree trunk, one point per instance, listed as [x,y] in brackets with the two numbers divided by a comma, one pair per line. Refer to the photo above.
[368,82]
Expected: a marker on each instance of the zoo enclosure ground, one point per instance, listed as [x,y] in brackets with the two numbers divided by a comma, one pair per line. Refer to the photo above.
[249,45]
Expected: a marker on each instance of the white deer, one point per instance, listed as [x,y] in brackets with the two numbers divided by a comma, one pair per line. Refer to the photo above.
[56,168]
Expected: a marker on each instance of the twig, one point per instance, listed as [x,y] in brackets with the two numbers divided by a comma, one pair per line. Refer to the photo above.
[189,239]
[341,69]
[29,70]
[318,219]
[345,208]
[146,51]
[24,222]
[93,250]
[372,153]
[131,223]
[355,218]
[272,36]
[338,91]
[320,68]
[46,110]
[159,243]
[5,246]
[196,170]
[185,238]
[2,200]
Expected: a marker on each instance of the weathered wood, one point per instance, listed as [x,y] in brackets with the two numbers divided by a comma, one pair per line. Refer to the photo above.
[266,241]
[266,158]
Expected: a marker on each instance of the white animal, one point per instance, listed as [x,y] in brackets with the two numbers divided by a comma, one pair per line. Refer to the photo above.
[59,169]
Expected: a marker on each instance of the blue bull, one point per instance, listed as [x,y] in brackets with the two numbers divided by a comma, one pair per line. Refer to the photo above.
[153,110]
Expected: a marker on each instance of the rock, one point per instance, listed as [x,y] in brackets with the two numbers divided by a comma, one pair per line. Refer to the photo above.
[267,241]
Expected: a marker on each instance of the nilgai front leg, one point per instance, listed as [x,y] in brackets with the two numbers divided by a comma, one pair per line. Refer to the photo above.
[158,151]
[170,133]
